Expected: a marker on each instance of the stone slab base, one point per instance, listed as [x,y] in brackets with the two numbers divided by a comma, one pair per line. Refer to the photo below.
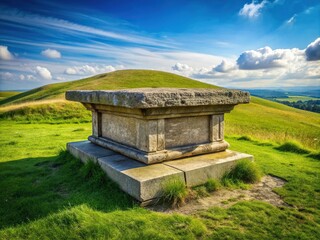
[145,182]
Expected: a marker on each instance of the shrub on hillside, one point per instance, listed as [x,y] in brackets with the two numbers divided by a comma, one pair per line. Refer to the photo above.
[212,185]
[175,192]
[245,138]
[315,156]
[245,171]
[292,147]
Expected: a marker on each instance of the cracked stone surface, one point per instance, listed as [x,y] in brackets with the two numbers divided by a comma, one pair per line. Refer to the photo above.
[160,97]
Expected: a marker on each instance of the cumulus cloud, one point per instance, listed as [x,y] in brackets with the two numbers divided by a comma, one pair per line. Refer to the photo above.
[253,9]
[5,53]
[60,78]
[43,73]
[6,75]
[264,58]
[313,50]
[224,66]
[22,77]
[259,68]
[51,53]
[89,70]
[30,77]
[13,76]
[180,67]
[183,69]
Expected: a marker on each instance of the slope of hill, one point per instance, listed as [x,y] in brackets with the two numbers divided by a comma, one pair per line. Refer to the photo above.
[114,80]
[4,95]
[261,119]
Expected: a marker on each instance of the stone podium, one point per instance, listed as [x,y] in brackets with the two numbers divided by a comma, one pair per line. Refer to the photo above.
[166,130]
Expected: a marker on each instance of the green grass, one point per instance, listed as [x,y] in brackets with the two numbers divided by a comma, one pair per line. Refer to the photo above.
[175,192]
[292,147]
[51,111]
[212,185]
[45,194]
[297,98]
[265,120]
[83,222]
[4,95]
[245,171]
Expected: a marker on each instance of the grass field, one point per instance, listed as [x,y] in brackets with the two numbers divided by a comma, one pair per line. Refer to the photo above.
[297,98]
[4,95]
[47,194]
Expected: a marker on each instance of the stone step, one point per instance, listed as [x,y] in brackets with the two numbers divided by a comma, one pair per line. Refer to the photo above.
[145,182]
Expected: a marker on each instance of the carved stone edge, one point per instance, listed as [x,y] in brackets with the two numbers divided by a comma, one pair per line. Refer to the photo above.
[160,156]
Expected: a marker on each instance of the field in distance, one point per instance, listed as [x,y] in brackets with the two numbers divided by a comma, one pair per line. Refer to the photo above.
[4,95]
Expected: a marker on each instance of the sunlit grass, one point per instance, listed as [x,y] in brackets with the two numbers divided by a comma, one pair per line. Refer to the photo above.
[56,196]
[47,194]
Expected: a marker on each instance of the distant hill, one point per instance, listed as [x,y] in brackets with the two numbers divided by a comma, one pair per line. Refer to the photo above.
[114,80]
[6,94]
[261,119]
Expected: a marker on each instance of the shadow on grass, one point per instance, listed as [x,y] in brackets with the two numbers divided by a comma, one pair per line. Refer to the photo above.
[32,188]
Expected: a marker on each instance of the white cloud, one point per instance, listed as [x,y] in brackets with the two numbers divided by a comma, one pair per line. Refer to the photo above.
[180,67]
[224,66]
[6,75]
[60,79]
[31,77]
[22,77]
[264,58]
[43,73]
[313,50]
[19,18]
[264,67]
[51,53]
[89,70]
[71,71]
[108,68]
[292,19]
[5,53]
[253,9]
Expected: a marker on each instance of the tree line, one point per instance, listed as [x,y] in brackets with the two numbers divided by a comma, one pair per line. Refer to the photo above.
[310,105]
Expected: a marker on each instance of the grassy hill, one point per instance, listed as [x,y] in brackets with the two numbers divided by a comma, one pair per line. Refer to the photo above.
[261,119]
[114,80]
[4,95]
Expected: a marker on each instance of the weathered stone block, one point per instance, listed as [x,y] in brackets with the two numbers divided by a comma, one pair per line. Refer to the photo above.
[85,151]
[199,169]
[159,124]
[145,182]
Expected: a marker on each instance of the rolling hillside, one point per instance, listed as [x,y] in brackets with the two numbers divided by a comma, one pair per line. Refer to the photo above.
[4,95]
[114,80]
[261,119]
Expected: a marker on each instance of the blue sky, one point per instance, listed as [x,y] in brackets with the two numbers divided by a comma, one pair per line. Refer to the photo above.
[269,43]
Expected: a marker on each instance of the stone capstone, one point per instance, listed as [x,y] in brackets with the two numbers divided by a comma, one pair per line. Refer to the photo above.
[160,97]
